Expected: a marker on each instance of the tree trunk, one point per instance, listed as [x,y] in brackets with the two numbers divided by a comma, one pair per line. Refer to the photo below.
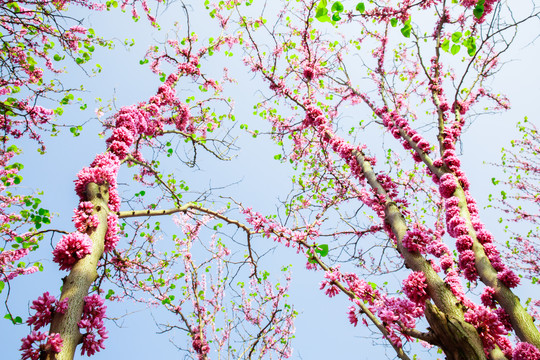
[76,285]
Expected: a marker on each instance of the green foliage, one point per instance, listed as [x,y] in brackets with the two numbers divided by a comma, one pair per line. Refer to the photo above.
[321,250]
[406,29]
[479,9]
[15,320]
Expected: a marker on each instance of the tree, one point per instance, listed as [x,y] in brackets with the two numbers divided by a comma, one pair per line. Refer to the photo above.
[520,204]
[418,71]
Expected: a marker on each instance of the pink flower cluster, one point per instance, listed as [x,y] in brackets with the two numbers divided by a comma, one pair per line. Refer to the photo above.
[488,325]
[416,240]
[312,71]
[92,321]
[487,297]
[103,170]
[45,306]
[457,228]
[447,185]
[316,120]
[394,312]
[508,278]
[111,236]
[199,343]
[7,260]
[332,276]
[71,248]
[37,342]
[525,351]
[278,232]
[415,286]
[489,5]
[401,130]
[83,218]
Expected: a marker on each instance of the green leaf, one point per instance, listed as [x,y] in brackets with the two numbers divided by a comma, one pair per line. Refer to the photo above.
[456,36]
[479,9]
[445,45]
[2,285]
[321,12]
[494,181]
[322,4]
[470,44]
[393,22]
[361,7]
[162,77]
[17,319]
[337,7]
[406,29]
[322,250]
[336,17]
[455,49]
[109,294]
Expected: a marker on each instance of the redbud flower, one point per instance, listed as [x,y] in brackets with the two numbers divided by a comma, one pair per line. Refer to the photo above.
[466,264]
[71,248]
[111,237]
[525,351]
[447,185]
[414,286]
[509,278]
[487,297]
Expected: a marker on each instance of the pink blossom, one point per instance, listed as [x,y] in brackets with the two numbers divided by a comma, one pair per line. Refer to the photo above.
[415,286]
[494,257]
[199,343]
[487,324]
[353,319]
[92,322]
[111,236]
[34,344]
[308,73]
[484,236]
[464,242]
[446,262]
[504,318]
[487,297]
[447,185]
[438,248]
[10,256]
[508,278]
[525,351]
[416,240]
[71,248]
[466,264]
[454,282]
[83,218]
[45,306]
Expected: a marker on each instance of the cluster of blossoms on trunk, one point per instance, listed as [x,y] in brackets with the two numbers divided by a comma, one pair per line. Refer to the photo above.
[32,345]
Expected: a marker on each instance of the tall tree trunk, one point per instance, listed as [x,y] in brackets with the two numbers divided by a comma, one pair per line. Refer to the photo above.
[76,285]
